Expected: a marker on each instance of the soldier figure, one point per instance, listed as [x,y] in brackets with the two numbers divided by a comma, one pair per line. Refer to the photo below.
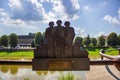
[69,39]
[50,40]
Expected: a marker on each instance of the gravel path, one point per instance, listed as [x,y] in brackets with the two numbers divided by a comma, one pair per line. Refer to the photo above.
[100,73]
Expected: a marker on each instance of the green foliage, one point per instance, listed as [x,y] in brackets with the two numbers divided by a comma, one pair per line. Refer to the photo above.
[101,41]
[87,41]
[13,40]
[26,79]
[38,38]
[4,40]
[94,41]
[69,76]
[79,39]
[112,39]
[33,44]
[118,40]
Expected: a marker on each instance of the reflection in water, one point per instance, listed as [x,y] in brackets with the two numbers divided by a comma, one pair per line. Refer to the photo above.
[13,70]
[42,72]
[4,69]
[26,73]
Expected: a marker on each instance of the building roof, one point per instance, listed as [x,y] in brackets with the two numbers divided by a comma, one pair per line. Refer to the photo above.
[26,39]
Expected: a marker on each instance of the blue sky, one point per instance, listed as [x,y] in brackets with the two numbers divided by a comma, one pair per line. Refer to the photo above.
[93,17]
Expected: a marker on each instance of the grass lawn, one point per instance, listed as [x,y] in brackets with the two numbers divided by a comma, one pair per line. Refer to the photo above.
[94,53]
[18,55]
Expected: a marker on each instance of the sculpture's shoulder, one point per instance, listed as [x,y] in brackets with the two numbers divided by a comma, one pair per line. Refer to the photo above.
[47,29]
[71,28]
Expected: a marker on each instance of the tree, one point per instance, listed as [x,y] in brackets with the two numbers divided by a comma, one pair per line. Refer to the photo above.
[118,40]
[94,41]
[87,41]
[38,38]
[4,40]
[33,44]
[101,41]
[13,40]
[79,39]
[112,39]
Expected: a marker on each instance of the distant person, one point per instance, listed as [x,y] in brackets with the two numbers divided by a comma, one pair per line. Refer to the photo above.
[59,34]
[50,40]
[70,34]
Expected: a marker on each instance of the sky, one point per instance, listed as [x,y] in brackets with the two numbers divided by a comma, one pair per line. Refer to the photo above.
[93,17]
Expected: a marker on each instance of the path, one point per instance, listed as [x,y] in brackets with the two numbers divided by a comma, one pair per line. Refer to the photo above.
[99,72]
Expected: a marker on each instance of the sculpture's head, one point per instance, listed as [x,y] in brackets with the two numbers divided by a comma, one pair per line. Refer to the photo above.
[59,22]
[67,24]
[51,24]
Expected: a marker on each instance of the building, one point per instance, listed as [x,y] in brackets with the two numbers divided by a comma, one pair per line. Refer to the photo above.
[105,37]
[24,41]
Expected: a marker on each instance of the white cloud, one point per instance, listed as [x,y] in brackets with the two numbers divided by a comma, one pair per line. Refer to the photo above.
[87,8]
[33,10]
[26,10]
[1,32]
[102,4]
[119,13]
[15,4]
[7,21]
[80,32]
[113,20]
[99,34]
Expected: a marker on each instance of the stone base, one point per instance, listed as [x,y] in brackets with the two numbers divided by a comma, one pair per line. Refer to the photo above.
[63,64]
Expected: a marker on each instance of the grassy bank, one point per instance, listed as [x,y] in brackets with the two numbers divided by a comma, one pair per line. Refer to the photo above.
[16,55]
[93,54]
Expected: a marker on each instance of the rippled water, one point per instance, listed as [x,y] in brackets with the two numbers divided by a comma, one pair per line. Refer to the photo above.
[26,73]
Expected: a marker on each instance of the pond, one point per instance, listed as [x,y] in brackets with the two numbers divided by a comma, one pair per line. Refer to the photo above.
[10,72]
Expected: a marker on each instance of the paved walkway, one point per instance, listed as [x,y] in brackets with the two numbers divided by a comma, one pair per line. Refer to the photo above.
[100,73]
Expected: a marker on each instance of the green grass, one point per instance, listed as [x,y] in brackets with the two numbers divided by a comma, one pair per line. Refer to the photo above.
[16,55]
[93,54]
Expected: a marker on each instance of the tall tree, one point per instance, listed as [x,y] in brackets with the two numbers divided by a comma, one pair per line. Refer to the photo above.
[38,38]
[94,41]
[112,39]
[118,40]
[13,40]
[87,41]
[101,41]
[4,40]
[79,39]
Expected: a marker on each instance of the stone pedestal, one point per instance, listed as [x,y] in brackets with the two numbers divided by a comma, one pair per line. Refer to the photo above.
[62,64]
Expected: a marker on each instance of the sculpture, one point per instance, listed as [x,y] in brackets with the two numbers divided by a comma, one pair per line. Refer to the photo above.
[50,40]
[59,41]
[59,35]
[68,39]
[57,51]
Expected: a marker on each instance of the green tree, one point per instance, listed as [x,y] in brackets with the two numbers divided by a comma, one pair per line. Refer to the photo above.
[13,40]
[4,40]
[79,39]
[94,41]
[112,39]
[118,40]
[101,41]
[87,41]
[38,38]
[33,44]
